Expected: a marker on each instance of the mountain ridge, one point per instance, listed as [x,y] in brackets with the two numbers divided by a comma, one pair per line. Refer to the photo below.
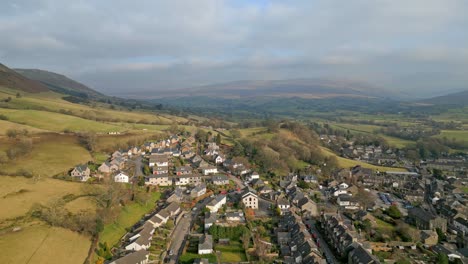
[11,79]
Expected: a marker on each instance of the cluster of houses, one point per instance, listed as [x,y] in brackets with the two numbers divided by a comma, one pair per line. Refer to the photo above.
[138,242]
[295,242]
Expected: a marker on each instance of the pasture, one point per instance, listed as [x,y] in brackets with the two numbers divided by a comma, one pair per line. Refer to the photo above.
[18,194]
[42,244]
[51,154]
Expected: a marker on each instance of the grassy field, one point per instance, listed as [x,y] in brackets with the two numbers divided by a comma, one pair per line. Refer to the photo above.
[348,163]
[81,204]
[232,252]
[51,154]
[107,143]
[128,216]
[56,122]
[43,244]
[6,125]
[18,194]
[459,135]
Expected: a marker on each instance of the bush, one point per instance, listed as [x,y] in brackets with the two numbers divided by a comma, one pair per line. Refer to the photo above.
[24,172]
[393,212]
[3,117]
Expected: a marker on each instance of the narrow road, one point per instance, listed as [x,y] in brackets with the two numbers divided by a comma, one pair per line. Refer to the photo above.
[323,246]
[178,237]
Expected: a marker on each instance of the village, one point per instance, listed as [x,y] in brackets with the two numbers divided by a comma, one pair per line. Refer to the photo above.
[217,209]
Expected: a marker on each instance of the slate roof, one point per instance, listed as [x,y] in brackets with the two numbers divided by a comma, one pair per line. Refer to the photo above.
[132,258]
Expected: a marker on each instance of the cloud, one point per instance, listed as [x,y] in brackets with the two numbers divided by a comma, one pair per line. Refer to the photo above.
[149,45]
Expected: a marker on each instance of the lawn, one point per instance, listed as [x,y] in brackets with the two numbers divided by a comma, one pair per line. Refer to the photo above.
[348,163]
[129,215]
[232,252]
[55,121]
[51,154]
[18,194]
[43,244]
[189,258]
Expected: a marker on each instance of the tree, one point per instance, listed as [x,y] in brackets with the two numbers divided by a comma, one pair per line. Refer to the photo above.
[218,139]
[236,133]
[364,198]
[88,140]
[18,95]
[393,212]
[442,258]
[12,133]
[146,169]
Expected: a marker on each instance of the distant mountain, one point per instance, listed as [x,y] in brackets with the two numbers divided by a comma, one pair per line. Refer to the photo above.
[301,88]
[59,83]
[460,98]
[11,79]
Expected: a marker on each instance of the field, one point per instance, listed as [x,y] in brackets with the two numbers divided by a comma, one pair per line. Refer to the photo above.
[6,125]
[56,122]
[459,135]
[348,163]
[128,216]
[232,252]
[18,194]
[43,244]
[189,258]
[51,154]
[81,204]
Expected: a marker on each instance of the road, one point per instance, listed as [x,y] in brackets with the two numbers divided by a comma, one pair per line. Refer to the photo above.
[137,162]
[327,252]
[178,237]
[238,181]
[182,230]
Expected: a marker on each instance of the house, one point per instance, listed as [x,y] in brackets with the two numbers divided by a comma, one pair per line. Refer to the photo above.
[158,180]
[253,176]
[107,167]
[159,160]
[210,219]
[219,159]
[205,246]
[310,178]
[209,170]
[343,186]
[138,257]
[250,198]
[425,220]
[143,242]
[183,170]
[198,191]
[235,217]
[176,196]
[216,203]
[359,255]
[220,180]
[158,170]
[461,224]
[193,179]
[121,177]
[344,200]
[283,205]
[308,207]
[81,172]
[173,209]
[429,237]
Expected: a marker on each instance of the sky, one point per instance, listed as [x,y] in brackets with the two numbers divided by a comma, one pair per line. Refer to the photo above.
[120,47]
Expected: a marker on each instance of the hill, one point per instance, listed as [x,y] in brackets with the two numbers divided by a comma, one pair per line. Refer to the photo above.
[460,98]
[58,82]
[302,88]
[11,79]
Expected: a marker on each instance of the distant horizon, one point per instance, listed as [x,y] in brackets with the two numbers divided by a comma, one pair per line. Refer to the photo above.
[122,47]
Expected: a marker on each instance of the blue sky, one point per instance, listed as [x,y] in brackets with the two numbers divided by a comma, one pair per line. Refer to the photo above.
[417,46]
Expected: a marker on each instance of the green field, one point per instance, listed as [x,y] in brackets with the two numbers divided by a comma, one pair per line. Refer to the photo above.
[348,163]
[51,154]
[42,244]
[459,135]
[129,215]
[189,258]
[232,252]
[7,125]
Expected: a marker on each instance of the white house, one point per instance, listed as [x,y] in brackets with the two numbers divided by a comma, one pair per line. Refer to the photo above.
[217,202]
[143,242]
[339,192]
[253,176]
[158,180]
[343,186]
[205,245]
[250,199]
[219,159]
[210,170]
[198,191]
[121,177]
